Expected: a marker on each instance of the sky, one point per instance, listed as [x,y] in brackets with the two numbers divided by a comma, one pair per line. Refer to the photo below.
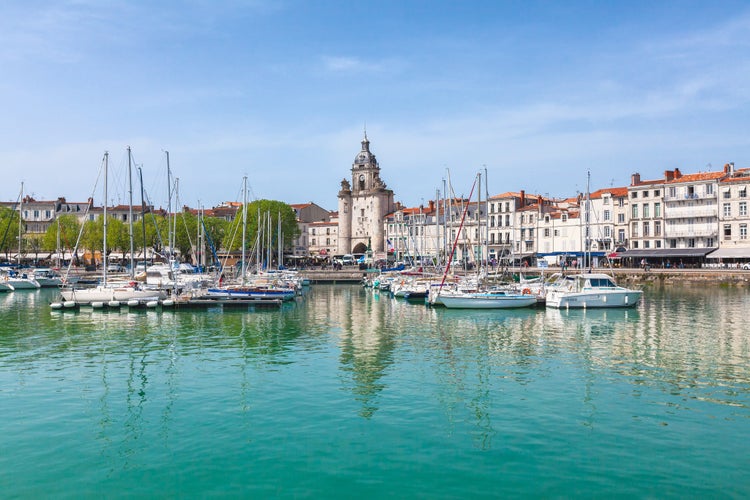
[537,94]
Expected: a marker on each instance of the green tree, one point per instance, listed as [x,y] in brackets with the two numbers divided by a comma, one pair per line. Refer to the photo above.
[69,227]
[8,231]
[155,226]
[258,214]
[217,229]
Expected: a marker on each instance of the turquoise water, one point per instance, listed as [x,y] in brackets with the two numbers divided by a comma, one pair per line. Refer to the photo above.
[348,392]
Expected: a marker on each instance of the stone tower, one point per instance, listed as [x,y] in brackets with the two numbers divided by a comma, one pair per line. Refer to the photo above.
[363,204]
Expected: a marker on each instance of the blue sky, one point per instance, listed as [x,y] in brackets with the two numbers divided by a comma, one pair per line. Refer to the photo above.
[538,93]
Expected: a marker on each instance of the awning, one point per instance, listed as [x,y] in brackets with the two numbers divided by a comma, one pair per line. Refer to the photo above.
[665,253]
[730,253]
[570,254]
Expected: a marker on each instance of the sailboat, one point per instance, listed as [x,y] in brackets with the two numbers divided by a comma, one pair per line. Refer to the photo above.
[590,290]
[17,279]
[477,298]
[107,294]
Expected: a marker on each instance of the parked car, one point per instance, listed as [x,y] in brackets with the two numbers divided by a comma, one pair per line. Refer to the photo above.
[746,266]
[115,268]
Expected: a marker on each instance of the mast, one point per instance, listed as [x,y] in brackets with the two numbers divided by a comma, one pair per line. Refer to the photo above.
[169,206]
[280,258]
[104,223]
[587,260]
[143,217]
[130,214]
[244,226]
[20,225]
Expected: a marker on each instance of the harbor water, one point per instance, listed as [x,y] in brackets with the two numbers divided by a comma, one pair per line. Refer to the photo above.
[351,393]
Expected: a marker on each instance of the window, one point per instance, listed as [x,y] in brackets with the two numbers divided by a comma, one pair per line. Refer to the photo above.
[742,192]
[727,231]
[605,200]
[726,194]
[645,194]
[328,241]
[635,212]
[621,235]
[743,209]
[658,243]
[607,231]
[620,202]
[361,212]
[691,242]
[709,189]
[312,242]
[647,244]
[657,228]
[492,221]
[621,218]
[646,211]
[564,217]
[634,194]
[646,227]
[657,193]
[743,231]
[607,215]
[727,209]
[672,192]
[657,209]
[634,232]
[546,232]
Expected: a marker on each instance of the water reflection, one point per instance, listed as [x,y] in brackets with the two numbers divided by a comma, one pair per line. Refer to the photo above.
[688,346]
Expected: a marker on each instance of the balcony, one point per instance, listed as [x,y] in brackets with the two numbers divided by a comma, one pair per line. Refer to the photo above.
[691,212]
[690,196]
[706,232]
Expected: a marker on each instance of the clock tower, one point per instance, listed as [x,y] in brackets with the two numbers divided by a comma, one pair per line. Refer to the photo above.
[363,205]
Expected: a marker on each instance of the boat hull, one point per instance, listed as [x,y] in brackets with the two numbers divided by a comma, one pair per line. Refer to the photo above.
[106,294]
[487,301]
[593,299]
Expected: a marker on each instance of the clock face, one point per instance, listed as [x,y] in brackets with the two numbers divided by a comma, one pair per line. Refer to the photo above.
[361,177]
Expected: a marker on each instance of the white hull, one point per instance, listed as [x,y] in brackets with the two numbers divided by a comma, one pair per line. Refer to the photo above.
[593,299]
[106,294]
[6,287]
[23,283]
[590,291]
[486,301]
[49,282]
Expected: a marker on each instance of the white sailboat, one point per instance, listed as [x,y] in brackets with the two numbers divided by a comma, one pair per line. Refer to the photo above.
[107,294]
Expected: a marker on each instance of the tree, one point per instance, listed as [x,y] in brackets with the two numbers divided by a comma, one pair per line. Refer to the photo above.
[68,227]
[269,212]
[217,229]
[8,230]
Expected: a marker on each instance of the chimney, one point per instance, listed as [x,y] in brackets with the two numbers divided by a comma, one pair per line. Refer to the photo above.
[668,175]
[677,173]
[635,179]
[523,198]
[431,205]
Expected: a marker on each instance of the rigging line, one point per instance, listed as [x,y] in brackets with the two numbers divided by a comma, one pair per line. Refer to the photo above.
[455,241]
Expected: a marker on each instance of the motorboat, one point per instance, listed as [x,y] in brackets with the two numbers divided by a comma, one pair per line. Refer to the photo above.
[590,290]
